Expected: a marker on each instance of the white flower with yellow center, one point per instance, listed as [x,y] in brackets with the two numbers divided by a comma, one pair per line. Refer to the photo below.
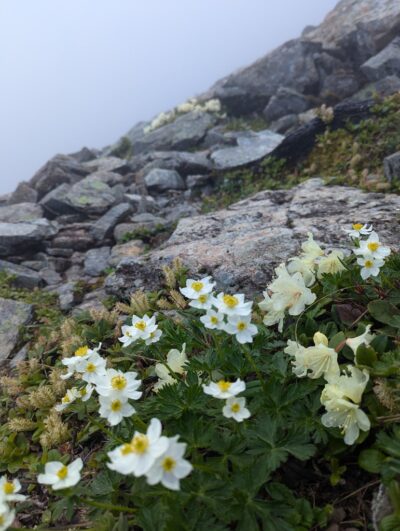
[141,328]
[70,396]
[195,288]
[331,264]
[242,328]
[232,304]
[363,339]
[358,229]
[129,335]
[153,337]
[372,248]
[139,455]
[7,516]
[370,267]
[61,476]
[235,408]
[9,490]
[114,409]
[171,466]
[118,384]
[80,354]
[176,361]
[224,389]
[203,302]
[316,361]
[92,367]
[213,320]
[86,392]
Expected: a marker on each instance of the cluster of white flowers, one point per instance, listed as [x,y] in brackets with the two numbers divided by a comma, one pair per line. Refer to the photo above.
[235,407]
[144,328]
[158,458]
[342,393]
[370,251]
[115,388]
[9,494]
[192,105]
[229,313]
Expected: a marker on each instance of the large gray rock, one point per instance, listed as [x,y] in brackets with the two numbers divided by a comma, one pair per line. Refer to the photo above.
[392,167]
[125,250]
[90,196]
[251,148]
[108,164]
[96,261]
[55,203]
[185,132]
[23,194]
[285,101]
[241,245]
[185,163]
[383,87]
[13,315]
[385,63]
[20,212]
[158,180]
[76,236]
[58,170]
[23,277]
[24,236]
[104,226]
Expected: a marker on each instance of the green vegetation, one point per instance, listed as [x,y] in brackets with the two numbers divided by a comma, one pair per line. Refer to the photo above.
[123,150]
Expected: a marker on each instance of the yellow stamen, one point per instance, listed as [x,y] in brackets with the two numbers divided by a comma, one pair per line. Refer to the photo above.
[65,399]
[373,246]
[224,386]
[138,445]
[241,326]
[369,263]
[230,300]
[82,351]
[235,408]
[90,367]
[358,226]
[63,472]
[118,382]
[168,464]
[8,487]
[203,298]
[197,285]
[116,405]
[214,320]
[141,325]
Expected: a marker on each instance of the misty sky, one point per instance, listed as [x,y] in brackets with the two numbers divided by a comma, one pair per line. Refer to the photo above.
[82,72]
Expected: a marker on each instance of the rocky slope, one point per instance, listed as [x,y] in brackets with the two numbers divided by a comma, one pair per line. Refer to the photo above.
[103,222]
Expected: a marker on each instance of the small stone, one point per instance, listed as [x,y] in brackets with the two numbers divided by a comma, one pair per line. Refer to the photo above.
[23,276]
[23,194]
[391,166]
[125,250]
[385,63]
[285,101]
[198,181]
[121,230]
[108,164]
[104,226]
[159,180]
[96,261]
[67,295]
[54,201]
[25,236]
[50,276]
[16,213]
[13,315]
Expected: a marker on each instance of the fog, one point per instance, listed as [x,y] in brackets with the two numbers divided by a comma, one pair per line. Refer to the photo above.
[80,73]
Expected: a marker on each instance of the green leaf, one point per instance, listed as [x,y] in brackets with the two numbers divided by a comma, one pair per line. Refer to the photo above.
[385,312]
[371,460]
[366,355]
[390,523]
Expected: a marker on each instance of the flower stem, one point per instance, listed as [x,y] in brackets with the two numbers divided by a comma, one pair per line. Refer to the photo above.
[108,506]
[250,359]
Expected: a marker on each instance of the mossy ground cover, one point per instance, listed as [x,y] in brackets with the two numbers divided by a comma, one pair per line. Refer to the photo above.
[351,155]
[280,470]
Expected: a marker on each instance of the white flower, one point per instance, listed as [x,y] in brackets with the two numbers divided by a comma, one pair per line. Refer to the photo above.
[195,288]
[92,367]
[114,409]
[345,386]
[154,337]
[320,360]
[242,328]
[363,339]
[272,316]
[224,389]
[80,354]
[236,408]
[372,248]
[142,328]
[290,292]
[232,304]
[9,490]
[7,516]
[70,396]
[61,476]
[203,302]
[306,262]
[86,392]
[347,416]
[138,456]
[358,230]
[170,467]
[331,263]
[118,384]
[213,320]
[213,105]
[370,267]
[129,335]
[176,361]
